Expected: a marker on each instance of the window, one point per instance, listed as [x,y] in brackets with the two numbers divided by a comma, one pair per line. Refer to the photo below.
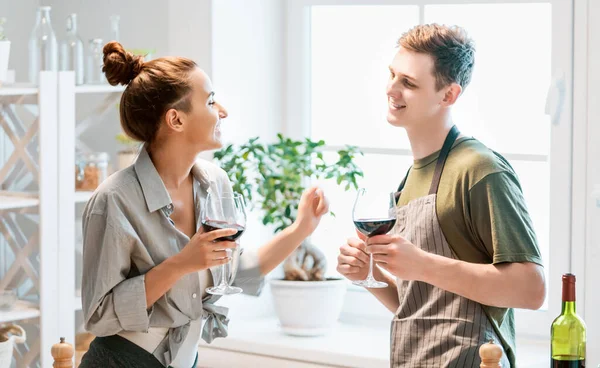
[337,93]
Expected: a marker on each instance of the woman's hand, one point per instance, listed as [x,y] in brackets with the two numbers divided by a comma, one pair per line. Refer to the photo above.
[203,252]
[313,205]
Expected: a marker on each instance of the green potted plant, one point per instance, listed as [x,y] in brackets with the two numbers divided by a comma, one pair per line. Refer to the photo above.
[4,51]
[272,178]
[127,155]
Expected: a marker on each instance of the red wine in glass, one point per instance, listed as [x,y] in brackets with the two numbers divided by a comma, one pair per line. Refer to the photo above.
[374,227]
[210,225]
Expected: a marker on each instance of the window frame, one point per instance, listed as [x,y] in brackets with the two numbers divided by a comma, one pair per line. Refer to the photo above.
[562,251]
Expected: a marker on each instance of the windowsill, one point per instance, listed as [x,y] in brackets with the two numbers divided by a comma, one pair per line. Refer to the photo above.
[348,345]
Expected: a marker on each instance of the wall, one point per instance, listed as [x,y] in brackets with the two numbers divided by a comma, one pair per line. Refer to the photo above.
[190,31]
[592,255]
[248,66]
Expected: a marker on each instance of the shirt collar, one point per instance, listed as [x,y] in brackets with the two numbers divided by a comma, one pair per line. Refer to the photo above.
[155,192]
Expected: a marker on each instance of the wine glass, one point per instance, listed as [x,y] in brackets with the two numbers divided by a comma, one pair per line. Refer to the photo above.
[373,214]
[224,211]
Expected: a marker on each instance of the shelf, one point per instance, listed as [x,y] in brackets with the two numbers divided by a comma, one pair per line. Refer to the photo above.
[21,310]
[18,90]
[10,202]
[82,197]
[98,88]
[15,201]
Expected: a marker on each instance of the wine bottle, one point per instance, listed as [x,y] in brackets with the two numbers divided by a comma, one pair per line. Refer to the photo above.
[568,330]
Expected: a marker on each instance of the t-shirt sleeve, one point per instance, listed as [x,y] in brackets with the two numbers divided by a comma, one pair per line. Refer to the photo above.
[501,220]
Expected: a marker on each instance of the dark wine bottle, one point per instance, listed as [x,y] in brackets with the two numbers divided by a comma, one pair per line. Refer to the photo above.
[568,330]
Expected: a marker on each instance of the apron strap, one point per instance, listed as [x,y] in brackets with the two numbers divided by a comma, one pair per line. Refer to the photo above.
[401,186]
[439,166]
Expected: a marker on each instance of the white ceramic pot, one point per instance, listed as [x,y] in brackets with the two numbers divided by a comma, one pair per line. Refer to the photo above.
[9,336]
[308,308]
[4,54]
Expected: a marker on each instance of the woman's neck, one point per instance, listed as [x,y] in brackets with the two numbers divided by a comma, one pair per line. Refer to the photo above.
[173,163]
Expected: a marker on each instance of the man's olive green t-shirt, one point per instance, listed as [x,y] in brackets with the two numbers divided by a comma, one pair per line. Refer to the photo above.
[482,213]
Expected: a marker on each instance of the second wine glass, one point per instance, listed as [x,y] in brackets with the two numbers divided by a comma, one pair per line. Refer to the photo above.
[225,211]
[373,214]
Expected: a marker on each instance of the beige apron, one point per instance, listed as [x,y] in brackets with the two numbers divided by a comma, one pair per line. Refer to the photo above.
[433,327]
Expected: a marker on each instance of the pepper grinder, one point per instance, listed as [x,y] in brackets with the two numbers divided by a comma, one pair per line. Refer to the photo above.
[490,354]
[62,353]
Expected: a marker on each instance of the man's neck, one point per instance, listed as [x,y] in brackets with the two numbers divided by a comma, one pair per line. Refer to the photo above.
[427,138]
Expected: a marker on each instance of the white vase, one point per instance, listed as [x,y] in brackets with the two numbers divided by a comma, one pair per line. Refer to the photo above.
[308,308]
[7,343]
[4,55]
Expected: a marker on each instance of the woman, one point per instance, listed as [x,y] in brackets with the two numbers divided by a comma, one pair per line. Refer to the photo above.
[146,260]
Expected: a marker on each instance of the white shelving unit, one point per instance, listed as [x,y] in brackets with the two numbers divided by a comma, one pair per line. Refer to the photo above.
[39,133]
[28,152]
[99,88]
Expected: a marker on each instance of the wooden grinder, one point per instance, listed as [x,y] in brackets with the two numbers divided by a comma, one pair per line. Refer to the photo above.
[62,353]
[490,354]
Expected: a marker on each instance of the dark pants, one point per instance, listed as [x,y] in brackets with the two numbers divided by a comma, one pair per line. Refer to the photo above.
[118,352]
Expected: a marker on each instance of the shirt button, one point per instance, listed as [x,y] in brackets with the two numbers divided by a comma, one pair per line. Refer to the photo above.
[194,295]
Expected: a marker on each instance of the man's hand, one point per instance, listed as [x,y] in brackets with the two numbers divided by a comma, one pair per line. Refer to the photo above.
[353,262]
[397,255]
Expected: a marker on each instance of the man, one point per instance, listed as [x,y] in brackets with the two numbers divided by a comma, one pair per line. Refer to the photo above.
[463,251]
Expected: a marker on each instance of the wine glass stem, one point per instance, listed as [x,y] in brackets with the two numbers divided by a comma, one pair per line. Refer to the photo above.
[224,275]
[370,276]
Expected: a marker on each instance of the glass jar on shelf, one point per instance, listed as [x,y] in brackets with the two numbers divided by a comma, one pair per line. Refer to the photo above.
[94,74]
[43,47]
[91,169]
[114,28]
[71,50]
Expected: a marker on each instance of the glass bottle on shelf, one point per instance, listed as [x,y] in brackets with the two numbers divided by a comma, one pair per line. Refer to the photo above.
[71,51]
[43,48]
[114,28]
[94,74]
[91,169]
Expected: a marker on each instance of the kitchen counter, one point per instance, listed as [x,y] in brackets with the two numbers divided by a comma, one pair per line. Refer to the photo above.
[260,343]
